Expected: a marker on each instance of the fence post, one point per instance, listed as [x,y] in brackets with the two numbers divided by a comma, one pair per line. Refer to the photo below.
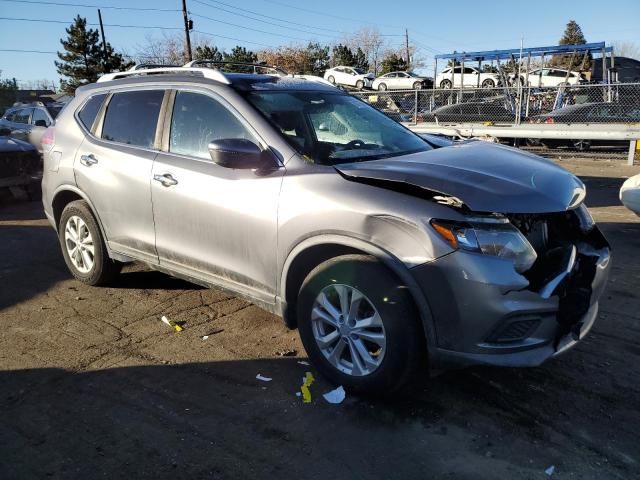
[415,110]
[633,148]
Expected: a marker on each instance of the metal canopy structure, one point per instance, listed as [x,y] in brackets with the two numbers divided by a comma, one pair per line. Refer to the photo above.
[489,55]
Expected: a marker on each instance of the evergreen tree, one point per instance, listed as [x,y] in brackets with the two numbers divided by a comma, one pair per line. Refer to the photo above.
[360,60]
[392,63]
[240,54]
[207,52]
[83,59]
[8,93]
[572,36]
[317,59]
[342,55]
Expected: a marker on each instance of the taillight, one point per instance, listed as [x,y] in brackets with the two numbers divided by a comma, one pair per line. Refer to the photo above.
[48,139]
[549,120]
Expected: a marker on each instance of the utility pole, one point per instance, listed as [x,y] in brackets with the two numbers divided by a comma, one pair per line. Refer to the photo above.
[186,31]
[406,37]
[104,44]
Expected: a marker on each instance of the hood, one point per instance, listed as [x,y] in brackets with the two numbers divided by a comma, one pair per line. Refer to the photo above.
[485,177]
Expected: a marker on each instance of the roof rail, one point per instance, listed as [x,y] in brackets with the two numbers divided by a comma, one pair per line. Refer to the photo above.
[255,66]
[209,73]
[146,66]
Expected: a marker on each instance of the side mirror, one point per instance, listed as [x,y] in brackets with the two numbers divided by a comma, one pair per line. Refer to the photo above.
[239,153]
[41,123]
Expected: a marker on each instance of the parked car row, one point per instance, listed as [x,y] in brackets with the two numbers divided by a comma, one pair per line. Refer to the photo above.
[355,77]
[28,122]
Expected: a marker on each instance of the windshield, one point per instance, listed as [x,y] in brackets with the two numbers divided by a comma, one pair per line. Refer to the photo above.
[331,128]
[359,71]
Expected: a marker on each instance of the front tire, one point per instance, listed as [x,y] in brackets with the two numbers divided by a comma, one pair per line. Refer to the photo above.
[360,327]
[83,247]
[359,84]
[488,83]
[445,84]
[382,87]
[417,86]
[331,79]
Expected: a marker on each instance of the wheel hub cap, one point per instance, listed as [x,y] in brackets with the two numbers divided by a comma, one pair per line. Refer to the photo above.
[348,330]
[79,244]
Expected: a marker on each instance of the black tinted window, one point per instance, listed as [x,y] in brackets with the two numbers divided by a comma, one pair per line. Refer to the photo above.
[197,120]
[90,110]
[132,117]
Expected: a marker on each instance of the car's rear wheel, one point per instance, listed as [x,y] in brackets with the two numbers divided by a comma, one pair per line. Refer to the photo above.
[360,84]
[359,326]
[382,87]
[331,79]
[445,84]
[488,83]
[581,145]
[83,247]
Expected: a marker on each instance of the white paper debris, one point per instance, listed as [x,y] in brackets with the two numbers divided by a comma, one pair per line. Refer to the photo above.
[263,378]
[302,362]
[205,337]
[166,320]
[335,396]
[549,471]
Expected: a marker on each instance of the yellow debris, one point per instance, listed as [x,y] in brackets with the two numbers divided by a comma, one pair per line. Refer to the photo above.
[172,324]
[306,383]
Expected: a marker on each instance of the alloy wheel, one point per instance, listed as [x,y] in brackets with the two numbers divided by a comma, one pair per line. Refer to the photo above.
[348,330]
[79,244]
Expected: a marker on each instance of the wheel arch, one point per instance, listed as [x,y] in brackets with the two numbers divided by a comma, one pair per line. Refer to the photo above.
[66,194]
[310,253]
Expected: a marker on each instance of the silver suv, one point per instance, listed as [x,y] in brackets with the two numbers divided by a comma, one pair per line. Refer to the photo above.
[389,252]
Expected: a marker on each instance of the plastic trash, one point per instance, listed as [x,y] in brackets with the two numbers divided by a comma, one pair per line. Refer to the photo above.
[549,471]
[263,378]
[307,380]
[302,362]
[335,396]
[205,337]
[172,324]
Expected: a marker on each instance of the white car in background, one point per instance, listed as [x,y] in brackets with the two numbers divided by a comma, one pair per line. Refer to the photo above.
[472,78]
[400,81]
[552,77]
[630,194]
[349,76]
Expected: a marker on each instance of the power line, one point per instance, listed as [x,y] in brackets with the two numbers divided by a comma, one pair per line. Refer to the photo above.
[233,38]
[83,5]
[207,4]
[246,28]
[66,22]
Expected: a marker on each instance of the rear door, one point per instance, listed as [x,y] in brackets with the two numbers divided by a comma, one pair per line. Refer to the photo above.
[214,223]
[113,167]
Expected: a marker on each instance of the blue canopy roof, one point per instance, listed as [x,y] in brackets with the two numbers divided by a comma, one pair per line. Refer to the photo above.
[534,51]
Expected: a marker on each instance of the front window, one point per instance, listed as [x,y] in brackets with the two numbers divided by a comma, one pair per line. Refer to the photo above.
[331,128]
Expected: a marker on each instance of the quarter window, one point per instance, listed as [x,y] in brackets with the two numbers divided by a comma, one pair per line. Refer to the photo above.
[199,119]
[132,118]
[90,110]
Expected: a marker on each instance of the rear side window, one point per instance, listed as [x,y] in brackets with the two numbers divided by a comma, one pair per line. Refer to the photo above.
[199,119]
[132,118]
[90,110]
[22,116]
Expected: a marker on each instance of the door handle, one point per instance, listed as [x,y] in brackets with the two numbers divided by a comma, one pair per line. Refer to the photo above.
[88,160]
[166,180]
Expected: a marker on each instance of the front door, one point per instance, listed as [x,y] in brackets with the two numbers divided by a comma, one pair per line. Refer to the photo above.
[214,223]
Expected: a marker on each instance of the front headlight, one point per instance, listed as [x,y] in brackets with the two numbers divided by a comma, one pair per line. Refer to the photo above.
[496,237]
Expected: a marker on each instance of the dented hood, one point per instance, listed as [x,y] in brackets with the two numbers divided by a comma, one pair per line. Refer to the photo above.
[486,177]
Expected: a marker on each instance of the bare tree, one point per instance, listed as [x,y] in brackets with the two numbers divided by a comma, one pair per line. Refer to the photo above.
[372,44]
[166,50]
[627,49]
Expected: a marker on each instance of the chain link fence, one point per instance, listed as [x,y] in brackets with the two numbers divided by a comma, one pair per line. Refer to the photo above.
[515,105]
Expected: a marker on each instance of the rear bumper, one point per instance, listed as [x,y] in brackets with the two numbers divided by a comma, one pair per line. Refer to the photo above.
[483,312]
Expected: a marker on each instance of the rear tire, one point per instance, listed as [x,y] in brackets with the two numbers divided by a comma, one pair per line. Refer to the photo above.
[83,247]
[383,355]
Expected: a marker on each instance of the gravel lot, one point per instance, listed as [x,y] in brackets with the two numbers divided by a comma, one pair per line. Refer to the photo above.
[93,385]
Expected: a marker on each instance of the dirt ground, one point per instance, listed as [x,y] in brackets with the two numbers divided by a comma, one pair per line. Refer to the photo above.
[93,385]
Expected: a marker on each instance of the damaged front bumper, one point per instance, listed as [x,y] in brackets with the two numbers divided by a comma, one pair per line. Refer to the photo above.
[484,312]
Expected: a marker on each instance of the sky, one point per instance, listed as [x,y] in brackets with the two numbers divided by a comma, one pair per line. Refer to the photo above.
[434,27]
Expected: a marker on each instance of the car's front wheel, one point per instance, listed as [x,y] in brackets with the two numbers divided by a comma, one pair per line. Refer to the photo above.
[488,83]
[83,247]
[331,79]
[382,87]
[417,85]
[445,84]
[359,84]
[359,326]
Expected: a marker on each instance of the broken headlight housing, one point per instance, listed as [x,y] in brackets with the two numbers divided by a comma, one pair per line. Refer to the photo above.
[494,236]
